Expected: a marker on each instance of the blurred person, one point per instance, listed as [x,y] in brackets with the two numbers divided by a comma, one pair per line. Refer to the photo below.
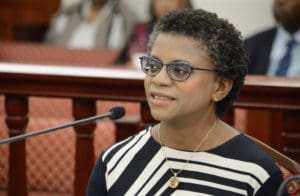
[276,51]
[92,24]
[136,45]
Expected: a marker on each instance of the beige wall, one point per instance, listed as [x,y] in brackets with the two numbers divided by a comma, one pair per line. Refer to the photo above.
[247,15]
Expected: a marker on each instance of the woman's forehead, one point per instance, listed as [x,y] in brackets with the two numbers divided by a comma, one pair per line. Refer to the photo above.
[178,43]
[180,46]
[180,39]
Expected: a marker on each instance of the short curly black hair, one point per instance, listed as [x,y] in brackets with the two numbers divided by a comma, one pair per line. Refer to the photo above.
[224,45]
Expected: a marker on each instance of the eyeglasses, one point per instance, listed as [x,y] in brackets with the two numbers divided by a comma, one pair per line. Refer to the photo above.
[178,71]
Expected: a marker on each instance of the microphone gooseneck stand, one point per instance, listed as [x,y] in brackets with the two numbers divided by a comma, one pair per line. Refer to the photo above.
[114,114]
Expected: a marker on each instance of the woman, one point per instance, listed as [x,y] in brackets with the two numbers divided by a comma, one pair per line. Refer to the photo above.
[195,67]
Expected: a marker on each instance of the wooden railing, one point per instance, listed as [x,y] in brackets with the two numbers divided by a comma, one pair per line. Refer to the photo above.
[277,101]
[83,85]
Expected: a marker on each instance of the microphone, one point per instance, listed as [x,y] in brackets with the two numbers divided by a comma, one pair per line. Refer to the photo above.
[114,114]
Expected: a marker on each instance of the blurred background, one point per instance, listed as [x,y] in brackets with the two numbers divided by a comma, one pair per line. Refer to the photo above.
[248,15]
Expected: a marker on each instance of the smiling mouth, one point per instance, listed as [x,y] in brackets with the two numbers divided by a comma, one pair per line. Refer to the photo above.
[162,98]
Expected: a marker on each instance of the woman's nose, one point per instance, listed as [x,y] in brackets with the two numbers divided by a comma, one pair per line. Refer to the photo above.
[162,78]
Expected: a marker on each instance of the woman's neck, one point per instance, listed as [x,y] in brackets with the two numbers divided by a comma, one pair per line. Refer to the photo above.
[185,136]
[214,133]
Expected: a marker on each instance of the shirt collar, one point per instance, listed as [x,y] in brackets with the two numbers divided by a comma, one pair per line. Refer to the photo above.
[285,36]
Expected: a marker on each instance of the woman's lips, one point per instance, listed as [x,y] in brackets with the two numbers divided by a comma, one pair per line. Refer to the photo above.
[157,99]
[161,98]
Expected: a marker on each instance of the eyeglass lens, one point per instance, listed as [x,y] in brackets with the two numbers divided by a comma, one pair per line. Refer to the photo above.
[176,71]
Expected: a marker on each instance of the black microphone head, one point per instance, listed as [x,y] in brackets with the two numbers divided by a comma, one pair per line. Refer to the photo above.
[117,112]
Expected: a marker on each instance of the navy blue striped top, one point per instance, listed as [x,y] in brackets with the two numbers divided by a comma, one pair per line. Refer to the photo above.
[137,166]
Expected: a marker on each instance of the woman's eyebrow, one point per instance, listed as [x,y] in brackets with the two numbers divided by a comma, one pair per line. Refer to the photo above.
[180,61]
[154,57]
[174,61]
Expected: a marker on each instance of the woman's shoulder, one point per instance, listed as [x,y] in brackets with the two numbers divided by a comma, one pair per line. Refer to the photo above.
[126,144]
[243,149]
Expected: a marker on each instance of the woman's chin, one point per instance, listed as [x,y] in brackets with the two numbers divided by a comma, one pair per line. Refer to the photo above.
[160,115]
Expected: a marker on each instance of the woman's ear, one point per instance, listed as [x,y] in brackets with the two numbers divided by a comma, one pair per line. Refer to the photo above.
[223,87]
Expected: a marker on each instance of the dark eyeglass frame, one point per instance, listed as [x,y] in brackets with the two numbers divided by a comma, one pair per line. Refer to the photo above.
[168,68]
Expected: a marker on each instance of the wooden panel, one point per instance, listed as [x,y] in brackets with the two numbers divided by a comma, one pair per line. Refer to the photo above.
[18,14]
[273,117]
[44,54]
[291,134]
[258,124]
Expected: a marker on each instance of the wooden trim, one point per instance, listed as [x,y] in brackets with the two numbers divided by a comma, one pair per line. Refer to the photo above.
[280,158]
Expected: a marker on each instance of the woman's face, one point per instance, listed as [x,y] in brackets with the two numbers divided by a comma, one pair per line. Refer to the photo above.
[173,100]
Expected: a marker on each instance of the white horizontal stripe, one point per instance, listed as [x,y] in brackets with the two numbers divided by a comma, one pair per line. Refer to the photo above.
[220,161]
[218,172]
[213,185]
[237,165]
[188,193]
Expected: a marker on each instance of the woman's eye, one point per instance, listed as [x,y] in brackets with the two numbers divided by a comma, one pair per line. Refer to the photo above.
[153,65]
[182,70]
